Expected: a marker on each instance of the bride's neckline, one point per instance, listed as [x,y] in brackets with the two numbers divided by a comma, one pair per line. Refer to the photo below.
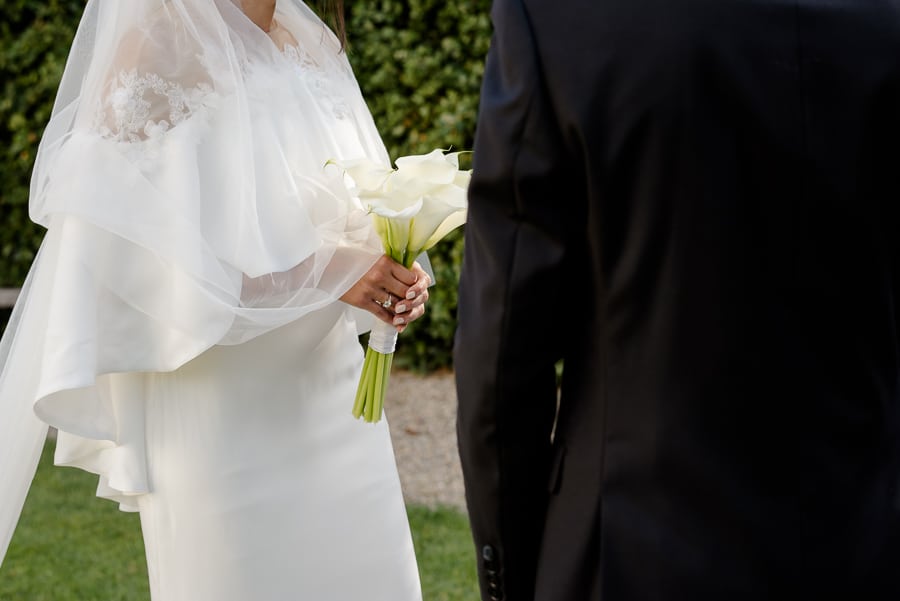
[281,37]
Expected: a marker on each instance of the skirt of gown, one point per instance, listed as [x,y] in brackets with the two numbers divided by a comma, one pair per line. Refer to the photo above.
[263,487]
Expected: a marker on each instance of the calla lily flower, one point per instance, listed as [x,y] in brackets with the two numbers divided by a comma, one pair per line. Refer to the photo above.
[442,211]
[365,173]
[412,207]
[394,226]
[434,168]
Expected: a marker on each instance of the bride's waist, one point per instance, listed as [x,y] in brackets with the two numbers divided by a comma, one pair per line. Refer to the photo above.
[322,340]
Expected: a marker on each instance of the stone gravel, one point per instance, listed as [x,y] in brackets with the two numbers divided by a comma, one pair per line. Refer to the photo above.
[421,412]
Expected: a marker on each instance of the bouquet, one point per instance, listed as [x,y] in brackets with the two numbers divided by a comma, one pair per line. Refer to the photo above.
[413,207]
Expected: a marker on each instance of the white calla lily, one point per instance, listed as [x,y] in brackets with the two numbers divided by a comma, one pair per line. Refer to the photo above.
[412,208]
[442,211]
[388,210]
[411,190]
[393,226]
[388,197]
[365,173]
[462,179]
[434,168]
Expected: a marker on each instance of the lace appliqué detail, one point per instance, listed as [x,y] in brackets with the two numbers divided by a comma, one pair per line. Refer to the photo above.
[140,107]
[319,79]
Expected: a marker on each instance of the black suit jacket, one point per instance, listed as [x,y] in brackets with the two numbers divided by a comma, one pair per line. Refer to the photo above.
[694,204]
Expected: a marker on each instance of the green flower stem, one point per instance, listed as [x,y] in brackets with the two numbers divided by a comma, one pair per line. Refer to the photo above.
[372,389]
[389,360]
[378,392]
[397,255]
[385,374]
[369,414]
[360,403]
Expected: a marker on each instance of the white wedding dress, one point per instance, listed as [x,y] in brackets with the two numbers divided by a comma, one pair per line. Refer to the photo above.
[181,325]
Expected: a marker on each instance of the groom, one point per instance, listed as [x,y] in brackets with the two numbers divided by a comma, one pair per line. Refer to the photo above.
[694,204]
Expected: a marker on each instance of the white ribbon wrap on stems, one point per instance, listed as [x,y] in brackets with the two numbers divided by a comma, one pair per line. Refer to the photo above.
[383,338]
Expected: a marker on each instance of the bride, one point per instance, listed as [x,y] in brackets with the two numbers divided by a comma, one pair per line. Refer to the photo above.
[190,323]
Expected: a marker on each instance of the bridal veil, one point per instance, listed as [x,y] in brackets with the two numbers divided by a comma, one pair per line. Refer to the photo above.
[182,213]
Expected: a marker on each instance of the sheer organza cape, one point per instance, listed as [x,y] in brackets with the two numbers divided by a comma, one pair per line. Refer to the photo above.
[183,184]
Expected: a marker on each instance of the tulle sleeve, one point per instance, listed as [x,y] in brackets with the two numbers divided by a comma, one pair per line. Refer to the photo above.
[181,171]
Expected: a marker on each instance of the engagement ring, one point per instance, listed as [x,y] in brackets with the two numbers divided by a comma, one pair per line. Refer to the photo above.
[387,304]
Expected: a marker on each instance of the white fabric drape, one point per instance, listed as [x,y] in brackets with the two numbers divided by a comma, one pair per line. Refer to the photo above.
[182,180]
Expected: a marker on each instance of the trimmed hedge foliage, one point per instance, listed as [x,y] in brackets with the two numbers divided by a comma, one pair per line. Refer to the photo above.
[419,64]
[34,42]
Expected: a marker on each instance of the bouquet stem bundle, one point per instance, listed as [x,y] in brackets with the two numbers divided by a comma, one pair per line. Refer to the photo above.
[412,207]
[372,386]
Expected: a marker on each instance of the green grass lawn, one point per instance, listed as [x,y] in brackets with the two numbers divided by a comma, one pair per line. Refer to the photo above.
[71,546]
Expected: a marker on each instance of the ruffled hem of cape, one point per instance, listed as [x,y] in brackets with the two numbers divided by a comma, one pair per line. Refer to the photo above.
[108,439]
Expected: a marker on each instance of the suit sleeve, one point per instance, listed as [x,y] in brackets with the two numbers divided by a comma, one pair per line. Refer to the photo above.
[516,286]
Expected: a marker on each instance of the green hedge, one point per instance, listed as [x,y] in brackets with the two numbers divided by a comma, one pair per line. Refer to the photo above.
[419,63]
[34,43]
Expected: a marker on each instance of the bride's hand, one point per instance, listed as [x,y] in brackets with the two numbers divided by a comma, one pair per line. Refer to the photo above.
[392,293]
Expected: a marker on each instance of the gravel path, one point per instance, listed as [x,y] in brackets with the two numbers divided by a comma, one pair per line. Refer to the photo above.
[421,411]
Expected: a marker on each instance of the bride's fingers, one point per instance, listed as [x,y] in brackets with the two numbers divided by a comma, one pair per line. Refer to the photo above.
[376,309]
[404,276]
[405,305]
[420,286]
[404,319]
[383,298]
[392,278]
[380,281]
[368,295]
[388,283]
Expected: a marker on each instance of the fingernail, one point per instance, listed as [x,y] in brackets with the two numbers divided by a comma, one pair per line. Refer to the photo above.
[399,321]
[400,309]
[411,295]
